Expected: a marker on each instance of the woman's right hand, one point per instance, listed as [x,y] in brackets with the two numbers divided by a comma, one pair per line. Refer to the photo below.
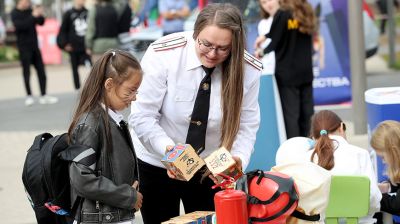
[139,196]
[171,174]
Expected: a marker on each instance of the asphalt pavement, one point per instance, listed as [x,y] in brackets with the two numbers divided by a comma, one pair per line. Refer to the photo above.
[20,124]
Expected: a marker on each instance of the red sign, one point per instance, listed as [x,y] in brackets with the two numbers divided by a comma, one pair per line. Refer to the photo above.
[47,35]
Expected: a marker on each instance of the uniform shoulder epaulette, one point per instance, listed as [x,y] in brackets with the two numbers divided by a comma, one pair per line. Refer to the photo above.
[253,61]
[170,43]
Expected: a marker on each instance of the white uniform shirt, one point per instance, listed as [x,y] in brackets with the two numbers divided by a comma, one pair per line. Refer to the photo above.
[352,160]
[161,114]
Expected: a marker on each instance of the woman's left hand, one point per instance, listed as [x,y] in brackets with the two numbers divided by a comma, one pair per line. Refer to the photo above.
[238,162]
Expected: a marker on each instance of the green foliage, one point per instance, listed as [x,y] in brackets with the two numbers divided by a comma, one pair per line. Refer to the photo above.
[396,64]
[8,54]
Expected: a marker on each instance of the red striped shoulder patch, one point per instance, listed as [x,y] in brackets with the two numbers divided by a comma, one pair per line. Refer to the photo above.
[253,61]
[169,43]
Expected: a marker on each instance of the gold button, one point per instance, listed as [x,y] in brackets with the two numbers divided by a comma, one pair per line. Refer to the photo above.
[206,86]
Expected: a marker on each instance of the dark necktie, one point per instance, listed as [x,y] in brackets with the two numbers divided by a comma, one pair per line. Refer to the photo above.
[198,124]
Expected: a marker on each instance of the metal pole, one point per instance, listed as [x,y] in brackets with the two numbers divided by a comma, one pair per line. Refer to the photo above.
[391,33]
[58,10]
[357,65]
[2,10]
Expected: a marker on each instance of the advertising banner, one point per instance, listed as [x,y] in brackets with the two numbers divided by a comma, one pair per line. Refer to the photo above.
[331,59]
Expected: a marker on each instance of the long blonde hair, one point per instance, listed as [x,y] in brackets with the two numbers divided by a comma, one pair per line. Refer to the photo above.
[386,140]
[227,16]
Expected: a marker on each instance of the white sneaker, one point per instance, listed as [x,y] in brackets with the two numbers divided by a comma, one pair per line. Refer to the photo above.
[29,101]
[46,99]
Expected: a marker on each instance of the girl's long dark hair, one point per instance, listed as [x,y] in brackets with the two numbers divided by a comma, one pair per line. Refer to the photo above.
[112,64]
[324,147]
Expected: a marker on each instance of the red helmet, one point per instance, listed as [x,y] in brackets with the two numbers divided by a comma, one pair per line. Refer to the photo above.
[272,197]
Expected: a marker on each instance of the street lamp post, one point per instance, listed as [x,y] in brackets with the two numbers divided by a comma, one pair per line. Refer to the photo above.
[391,33]
[357,66]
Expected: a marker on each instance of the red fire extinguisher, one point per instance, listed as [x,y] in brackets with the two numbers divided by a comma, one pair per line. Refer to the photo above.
[230,204]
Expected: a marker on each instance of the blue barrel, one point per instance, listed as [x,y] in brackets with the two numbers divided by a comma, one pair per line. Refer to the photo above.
[382,104]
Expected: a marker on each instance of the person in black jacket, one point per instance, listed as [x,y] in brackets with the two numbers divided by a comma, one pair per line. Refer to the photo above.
[71,37]
[105,173]
[291,38]
[107,19]
[25,18]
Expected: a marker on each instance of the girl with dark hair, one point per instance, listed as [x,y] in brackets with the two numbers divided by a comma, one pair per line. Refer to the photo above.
[199,88]
[104,176]
[334,153]
[293,26]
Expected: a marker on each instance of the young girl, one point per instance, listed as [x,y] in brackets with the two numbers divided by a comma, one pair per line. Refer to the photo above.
[334,153]
[386,142]
[268,8]
[104,177]
[291,32]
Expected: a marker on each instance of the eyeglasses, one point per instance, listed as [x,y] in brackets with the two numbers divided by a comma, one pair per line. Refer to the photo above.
[131,93]
[127,92]
[206,47]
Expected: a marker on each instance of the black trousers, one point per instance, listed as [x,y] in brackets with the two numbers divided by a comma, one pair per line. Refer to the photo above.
[162,195]
[77,58]
[297,107]
[34,57]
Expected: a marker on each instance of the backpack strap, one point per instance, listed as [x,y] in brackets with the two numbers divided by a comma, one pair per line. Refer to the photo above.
[301,215]
[77,203]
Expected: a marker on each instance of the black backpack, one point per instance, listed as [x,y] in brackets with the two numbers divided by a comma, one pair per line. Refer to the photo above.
[46,179]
